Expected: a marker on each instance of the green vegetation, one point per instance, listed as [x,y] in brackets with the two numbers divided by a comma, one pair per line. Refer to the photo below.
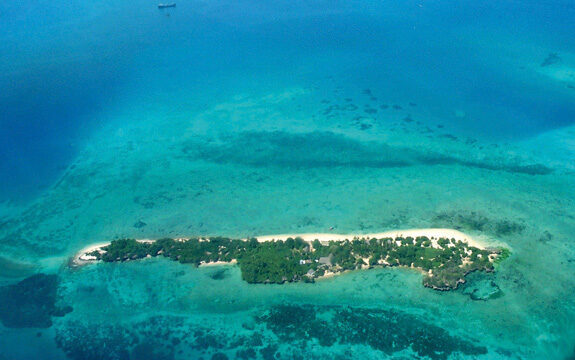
[445,264]
[504,253]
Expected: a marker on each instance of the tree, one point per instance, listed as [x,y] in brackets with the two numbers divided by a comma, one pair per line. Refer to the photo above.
[316,244]
[290,242]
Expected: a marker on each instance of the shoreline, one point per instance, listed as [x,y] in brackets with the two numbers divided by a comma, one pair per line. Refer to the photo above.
[82,257]
[218,263]
[431,233]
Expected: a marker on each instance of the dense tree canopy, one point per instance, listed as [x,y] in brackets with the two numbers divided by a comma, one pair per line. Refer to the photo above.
[294,259]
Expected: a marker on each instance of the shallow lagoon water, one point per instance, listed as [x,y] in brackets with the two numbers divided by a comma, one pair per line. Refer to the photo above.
[247,118]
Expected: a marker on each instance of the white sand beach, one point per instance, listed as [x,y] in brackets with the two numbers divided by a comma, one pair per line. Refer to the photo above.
[218,263]
[432,233]
[83,257]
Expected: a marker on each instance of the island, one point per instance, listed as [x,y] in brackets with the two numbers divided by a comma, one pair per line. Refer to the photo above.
[444,256]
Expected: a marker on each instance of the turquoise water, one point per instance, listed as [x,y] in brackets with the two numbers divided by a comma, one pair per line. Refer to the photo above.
[248,118]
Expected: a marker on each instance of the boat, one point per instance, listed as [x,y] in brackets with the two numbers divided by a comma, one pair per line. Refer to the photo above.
[163,6]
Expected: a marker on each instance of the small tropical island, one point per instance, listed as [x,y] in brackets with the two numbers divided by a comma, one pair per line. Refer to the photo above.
[444,256]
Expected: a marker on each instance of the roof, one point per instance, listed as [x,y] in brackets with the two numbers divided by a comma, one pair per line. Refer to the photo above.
[326,259]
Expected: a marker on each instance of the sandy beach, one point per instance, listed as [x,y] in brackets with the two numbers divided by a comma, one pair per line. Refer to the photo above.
[433,234]
[82,256]
[218,263]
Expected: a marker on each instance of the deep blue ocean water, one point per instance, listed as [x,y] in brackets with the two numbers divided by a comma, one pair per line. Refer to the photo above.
[250,117]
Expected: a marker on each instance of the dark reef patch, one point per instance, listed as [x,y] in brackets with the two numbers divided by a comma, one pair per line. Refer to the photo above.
[31,303]
[551,59]
[370,111]
[385,330]
[219,274]
[151,351]
[506,227]
[481,286]
[312,150]
[533,169]
[279,332]
[472,220]
[269,352]
[246,354]
[95,342]
[140,224]
[327,149]
[545,237]
[219,356]
[156,337]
